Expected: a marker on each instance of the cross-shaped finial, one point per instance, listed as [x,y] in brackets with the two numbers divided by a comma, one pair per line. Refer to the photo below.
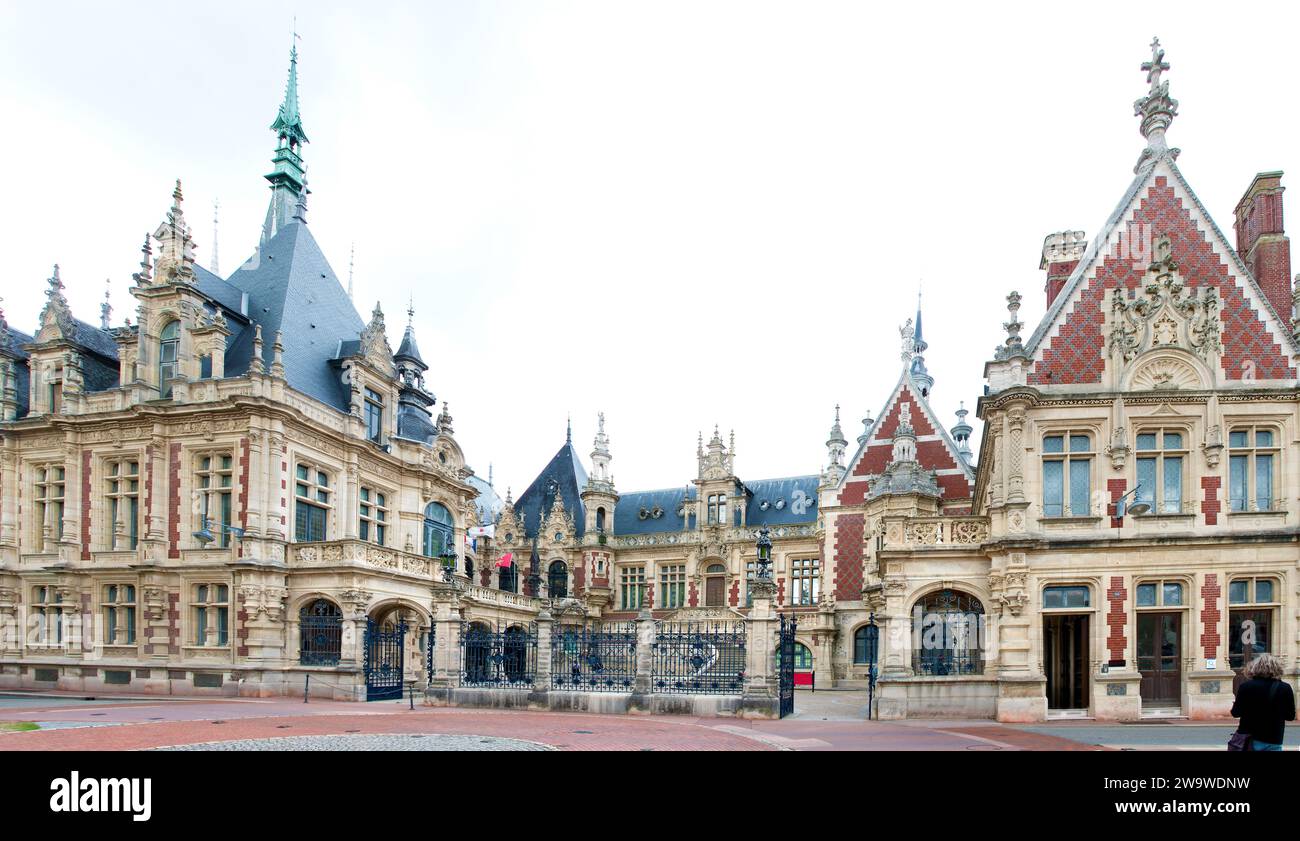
[1156,65]
[410,311]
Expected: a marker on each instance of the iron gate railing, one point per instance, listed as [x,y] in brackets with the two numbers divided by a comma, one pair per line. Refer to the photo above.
[785,664]
[430,640]
[498,658]
[321,640]
[599,658]
[705,658]
[383,661]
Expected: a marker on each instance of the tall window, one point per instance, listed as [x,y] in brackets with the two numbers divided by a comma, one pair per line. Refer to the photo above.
[211,614]
[751,569]
[320,633]
[1067,475]
[49,502]
[374,415]
[119,614]
[47,610]
[54,391]
[948,634]
[312,503]
[1159,594]
[214,481]
[866,645]
[672,586]
[1251,606]
[438,526]
[717,508]
[508,578]
[373,511]
[1160,458]
[1252,462]
[557,579]
[632,587]
[123,503]
[169,342]
[805,578]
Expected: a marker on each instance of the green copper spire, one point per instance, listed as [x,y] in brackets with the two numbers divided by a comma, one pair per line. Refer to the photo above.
[288,178]
[288,123]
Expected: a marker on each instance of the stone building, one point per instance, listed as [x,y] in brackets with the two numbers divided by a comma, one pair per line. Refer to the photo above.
[220,496]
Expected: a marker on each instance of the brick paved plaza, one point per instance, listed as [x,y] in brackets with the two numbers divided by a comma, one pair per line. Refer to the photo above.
[824,721]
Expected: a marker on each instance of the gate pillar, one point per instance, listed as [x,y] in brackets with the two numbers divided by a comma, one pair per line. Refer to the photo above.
[759,699]
[542,679]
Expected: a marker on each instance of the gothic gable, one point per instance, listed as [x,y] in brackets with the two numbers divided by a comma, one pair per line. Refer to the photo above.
[1161,277]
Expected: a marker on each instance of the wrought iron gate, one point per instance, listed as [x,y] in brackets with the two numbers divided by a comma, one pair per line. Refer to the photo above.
[383,663]
[785,665]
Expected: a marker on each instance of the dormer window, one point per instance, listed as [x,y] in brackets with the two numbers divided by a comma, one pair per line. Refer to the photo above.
[56,392]
[374,415]
[169,342]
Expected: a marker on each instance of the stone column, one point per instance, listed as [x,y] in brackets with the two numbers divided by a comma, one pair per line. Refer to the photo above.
[759,698]
[542,680]
[446,643]
[642,684]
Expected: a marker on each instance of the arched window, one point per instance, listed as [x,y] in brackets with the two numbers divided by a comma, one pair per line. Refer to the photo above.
[557,579]
[866,645]
[438,526]
[169,341]
[600,519]
[803,658]
[948,634]
[320,633]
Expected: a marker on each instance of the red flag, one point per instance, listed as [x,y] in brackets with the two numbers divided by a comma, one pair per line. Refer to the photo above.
[505,560]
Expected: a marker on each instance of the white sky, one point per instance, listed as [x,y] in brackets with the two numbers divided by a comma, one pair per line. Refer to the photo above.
[681,213]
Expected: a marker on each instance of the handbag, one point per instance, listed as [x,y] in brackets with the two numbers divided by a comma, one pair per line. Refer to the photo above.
[1243,741]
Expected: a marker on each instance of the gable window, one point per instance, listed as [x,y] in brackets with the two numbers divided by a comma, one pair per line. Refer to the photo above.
[1252,463]
[374,415]
[119,614]
[214,482]
[672,586]
[123,489]
[1161,455]
[1067,475]
[717,509]
[211,614]
[169,342]
[1252,604]
[805,578]
[373,512]
[438,526]
[632,587]
[49,503]
[312,503]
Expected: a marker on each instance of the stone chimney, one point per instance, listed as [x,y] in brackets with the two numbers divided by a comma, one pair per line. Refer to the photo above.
[1262,242]
[1061,253]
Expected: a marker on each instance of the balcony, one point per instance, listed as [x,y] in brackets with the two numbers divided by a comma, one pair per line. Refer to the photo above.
[941,532]
[358,553]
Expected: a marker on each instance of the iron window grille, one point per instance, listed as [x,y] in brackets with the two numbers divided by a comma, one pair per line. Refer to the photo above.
[320,634]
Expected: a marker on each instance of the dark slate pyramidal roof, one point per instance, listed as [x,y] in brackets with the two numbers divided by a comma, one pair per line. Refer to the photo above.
[564,476]
[292,288]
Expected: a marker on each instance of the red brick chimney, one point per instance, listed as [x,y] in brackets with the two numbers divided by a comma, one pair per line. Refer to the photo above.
[1061,253]
[1262,241]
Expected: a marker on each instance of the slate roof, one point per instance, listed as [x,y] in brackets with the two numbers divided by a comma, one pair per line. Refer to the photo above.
[488,502]
[564,473]
[291,287]
[790,500]
[17,339]
[627,514]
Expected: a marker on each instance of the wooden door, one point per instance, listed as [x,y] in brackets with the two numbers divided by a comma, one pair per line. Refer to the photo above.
[715,587]
[1159,657]
[1065,660]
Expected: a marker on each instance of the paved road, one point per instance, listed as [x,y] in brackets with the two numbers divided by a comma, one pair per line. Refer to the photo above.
[1173,736]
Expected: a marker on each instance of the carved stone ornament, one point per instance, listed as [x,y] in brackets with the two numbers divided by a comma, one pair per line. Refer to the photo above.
[1213,446]
[1164,314]
[1118,448]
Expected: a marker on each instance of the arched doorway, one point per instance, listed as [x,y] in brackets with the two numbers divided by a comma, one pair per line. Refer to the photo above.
[715,585]
[320,633]
[557,579]
[948,634]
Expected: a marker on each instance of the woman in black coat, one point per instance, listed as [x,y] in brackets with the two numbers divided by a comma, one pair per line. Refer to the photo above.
[1264,703]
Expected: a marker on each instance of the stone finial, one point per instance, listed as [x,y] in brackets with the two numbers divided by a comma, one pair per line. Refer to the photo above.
[277,355]
[1157,109]
[106,308]
[176,247]
[867,424]
[908,334]
[444,420]
[144,277]
[600,455]
[1014,345]
[56,313]
[835,447]
[961,432]
[257,364]
[215,266]
[300,206]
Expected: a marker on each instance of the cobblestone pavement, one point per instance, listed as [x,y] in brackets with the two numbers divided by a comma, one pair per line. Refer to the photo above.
[145,723]
[417,741]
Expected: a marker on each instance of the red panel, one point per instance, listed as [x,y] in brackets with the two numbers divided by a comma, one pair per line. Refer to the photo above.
[848,556]
[1210,613]
[1116,640]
